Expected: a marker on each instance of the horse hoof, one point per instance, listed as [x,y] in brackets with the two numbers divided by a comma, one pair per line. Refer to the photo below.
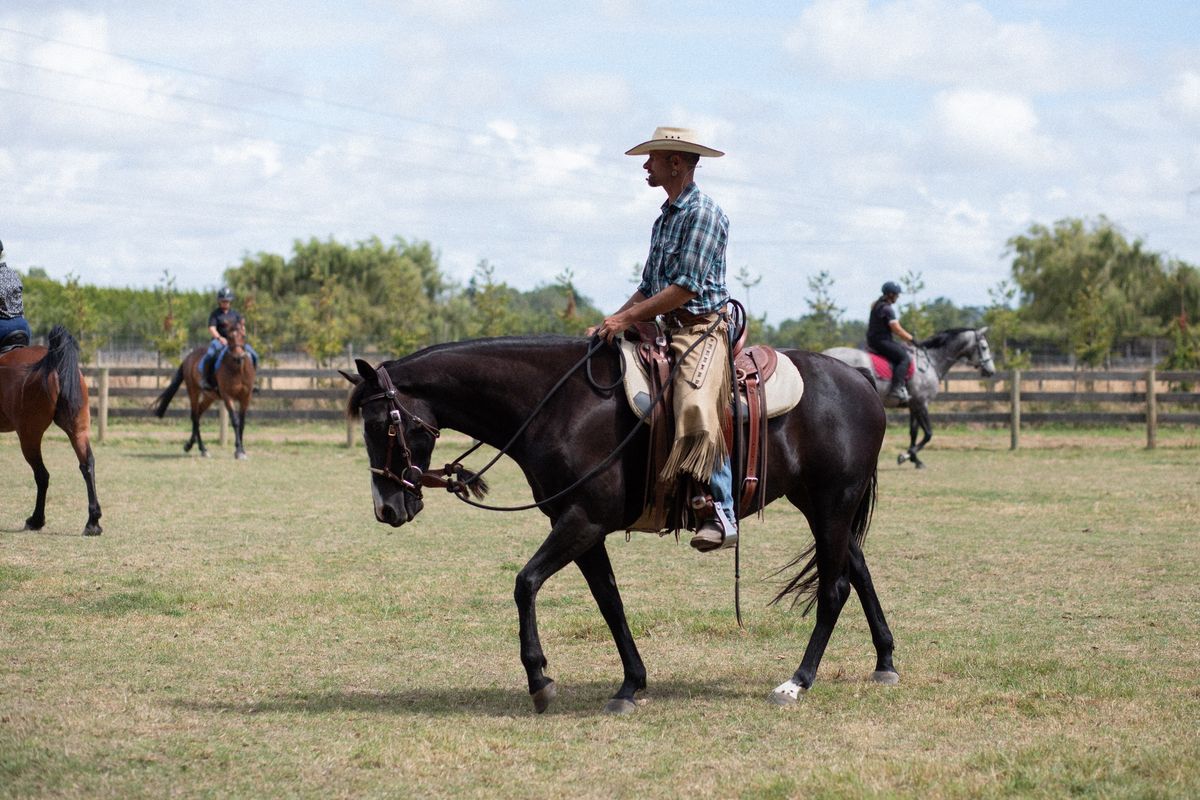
[900,459]
[204,454]
[919,464]
[93,530]
[619,705]
[543,696]
[787,694]
[30,525]
[886,677]
[240,456]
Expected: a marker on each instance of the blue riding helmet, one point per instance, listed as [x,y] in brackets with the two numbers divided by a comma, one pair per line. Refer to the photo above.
[225,294]
[891,287]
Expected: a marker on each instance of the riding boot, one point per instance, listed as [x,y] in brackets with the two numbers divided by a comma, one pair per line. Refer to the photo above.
[898,391]
[208,379]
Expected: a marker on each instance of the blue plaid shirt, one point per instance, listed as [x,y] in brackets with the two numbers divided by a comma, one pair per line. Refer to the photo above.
[687,248]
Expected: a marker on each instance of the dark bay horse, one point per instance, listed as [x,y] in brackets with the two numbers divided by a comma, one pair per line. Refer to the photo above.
[235,385]
[934,357]
[40,385]
[823,458]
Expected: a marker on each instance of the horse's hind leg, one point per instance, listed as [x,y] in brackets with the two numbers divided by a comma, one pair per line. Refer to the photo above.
[31,448]
[597,571]
[87,466]
[197,412]
[918,418]
[833,588]
[881,634]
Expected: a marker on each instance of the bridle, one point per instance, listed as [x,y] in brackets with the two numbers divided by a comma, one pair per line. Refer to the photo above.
[410,477]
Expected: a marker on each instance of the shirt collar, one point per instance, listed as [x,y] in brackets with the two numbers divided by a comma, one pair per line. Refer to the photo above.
[684,198]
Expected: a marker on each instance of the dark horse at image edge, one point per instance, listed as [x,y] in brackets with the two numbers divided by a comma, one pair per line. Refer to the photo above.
[823,459]
[40,386]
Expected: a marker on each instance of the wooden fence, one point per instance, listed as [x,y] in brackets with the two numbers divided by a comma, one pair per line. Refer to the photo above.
[1011,399]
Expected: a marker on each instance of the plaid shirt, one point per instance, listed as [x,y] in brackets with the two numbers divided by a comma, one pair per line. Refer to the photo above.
[11,305]
[687,248]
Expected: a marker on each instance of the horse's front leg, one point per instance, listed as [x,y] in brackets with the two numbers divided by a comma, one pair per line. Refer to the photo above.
[238,421]
[597,571]
[570,537]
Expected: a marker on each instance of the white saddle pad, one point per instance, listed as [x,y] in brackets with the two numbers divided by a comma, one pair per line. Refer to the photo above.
[783,389]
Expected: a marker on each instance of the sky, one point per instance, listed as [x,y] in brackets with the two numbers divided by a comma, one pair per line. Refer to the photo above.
[869,139]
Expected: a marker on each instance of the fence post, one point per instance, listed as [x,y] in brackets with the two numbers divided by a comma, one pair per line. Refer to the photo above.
[1015,422]
[1151,411]
[102,427]
[223,413]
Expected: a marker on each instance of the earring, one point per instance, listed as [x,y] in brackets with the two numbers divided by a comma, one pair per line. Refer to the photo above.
[674,173]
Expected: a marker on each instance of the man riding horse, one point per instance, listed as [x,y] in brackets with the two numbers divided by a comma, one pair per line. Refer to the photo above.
[683,282]
[881,324]
[14,330]
[221,323]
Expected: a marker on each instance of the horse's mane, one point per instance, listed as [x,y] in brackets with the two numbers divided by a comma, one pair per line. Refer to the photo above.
[941,338]
[474,346]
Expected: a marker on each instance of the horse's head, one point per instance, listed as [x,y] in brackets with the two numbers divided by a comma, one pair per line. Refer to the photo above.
[400,434]
[981,354]
[236,344]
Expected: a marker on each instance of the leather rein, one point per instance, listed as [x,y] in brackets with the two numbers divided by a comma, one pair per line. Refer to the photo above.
[454,477]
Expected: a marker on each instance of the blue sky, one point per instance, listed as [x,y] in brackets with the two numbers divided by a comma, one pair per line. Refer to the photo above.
[866,139]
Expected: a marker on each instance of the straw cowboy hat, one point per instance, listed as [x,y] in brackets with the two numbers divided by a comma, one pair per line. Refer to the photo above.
[679,140]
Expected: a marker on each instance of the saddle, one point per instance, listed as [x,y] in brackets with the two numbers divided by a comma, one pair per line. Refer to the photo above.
[760,374]
[13,340]
[883,367]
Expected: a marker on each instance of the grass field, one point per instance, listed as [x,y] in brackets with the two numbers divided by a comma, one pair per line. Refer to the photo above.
[246,629]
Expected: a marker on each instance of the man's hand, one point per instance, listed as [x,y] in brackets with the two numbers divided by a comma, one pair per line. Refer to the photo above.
[610,328]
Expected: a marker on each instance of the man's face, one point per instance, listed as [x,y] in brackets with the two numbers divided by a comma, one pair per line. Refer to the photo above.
[658,167]
[224,304]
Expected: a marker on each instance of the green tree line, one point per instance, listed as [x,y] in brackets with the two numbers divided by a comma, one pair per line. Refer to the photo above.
[1078,287]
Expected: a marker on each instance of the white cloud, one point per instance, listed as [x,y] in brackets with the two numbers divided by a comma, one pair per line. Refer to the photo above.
[587,94]
[1182,100]
[947,42]
[992,126]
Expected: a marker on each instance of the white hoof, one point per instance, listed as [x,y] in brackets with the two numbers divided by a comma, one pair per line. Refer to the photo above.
[887,678]
[787,693]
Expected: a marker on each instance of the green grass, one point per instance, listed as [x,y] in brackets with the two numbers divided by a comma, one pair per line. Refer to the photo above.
[245,629]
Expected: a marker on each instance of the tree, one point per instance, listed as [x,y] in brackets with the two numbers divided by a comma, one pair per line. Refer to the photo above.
[914,316]
[491,302]
[1004,324]
[172,337]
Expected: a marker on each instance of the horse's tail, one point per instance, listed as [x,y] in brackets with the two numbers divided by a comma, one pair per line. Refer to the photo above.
[62,359]
[804,585]
[164,399]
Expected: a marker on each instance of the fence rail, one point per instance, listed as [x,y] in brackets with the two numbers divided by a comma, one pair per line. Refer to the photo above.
[1013,398]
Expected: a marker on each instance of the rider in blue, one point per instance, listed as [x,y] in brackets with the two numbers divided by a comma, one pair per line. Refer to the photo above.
[882,323]
[221,323]
[12,306]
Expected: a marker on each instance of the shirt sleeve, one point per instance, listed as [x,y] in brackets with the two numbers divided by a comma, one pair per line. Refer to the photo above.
[214,318]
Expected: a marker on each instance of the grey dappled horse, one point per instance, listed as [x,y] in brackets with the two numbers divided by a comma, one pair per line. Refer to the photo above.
[934,357]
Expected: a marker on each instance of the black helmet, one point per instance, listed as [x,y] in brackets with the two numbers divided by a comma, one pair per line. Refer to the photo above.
[891,287]
[225,294]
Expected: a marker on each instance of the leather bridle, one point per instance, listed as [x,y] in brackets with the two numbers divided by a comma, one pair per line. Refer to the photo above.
[410,477]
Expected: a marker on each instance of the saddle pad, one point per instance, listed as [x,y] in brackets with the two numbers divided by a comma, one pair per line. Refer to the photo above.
[783,389]
[883,367]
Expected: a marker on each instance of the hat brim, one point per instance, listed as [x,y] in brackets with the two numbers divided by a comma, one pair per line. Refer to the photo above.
[674,145]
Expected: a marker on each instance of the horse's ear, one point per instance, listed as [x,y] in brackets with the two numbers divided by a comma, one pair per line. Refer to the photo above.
[354,378]
[982,330]
[365,370]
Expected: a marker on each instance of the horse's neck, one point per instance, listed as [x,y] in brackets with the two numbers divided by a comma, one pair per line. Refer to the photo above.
[486,397]
[944,357]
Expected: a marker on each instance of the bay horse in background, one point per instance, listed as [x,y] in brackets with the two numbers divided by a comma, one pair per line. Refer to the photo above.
[235,385]
[933,359]
[823,457]
[38,386]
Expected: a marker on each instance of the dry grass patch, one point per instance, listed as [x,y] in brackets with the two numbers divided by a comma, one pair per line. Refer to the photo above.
[248,630]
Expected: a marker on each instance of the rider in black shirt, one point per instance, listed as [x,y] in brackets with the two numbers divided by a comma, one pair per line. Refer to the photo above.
[221,323]
[881,324]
